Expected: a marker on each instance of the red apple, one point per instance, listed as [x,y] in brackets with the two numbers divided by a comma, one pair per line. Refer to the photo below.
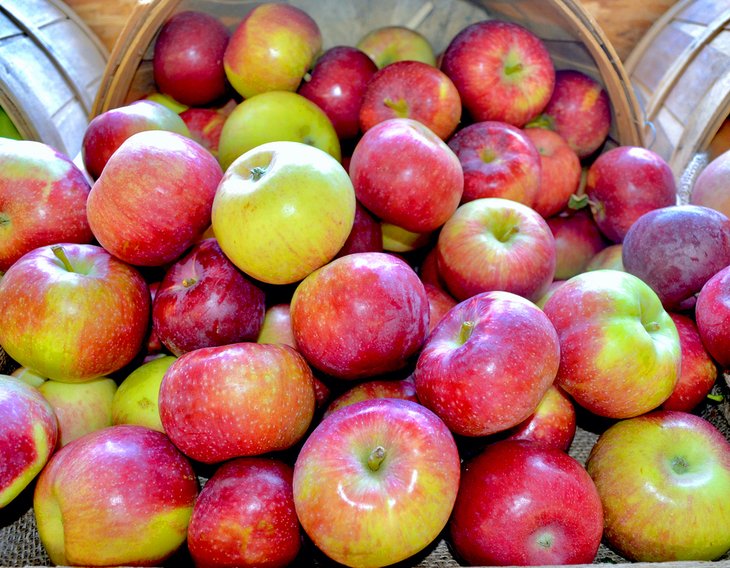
[577,241]
[361,315]
[187,63]
[428,270]
[404,389]
[406,175]
[412,89]
[205,126]
[154,198]
[388,44]
[710,189]
[521,504]
[365,236]
[502,71]
[498,160]
[205,301]
[712,314]
[337,85]
[439,303]
[487,364]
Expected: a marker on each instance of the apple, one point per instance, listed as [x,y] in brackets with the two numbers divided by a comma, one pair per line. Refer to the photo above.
[577,242]
[245,516]
[498,160]
[166,101]
[205,126]
[560,171]
[523,504]
[283,210]
[375,482]
[389,44]
[601,316]
[42,200]
[85,495]
[712,314]
[275,116]
[205,301]
[513,240]
[243,399]
[28,377]
[502,71]
[271,49]
[28,435]
[554,285]
[676,249]
[412,89]
[674,469]
[277,327]
[397,239]
[361,315]
[107,131]
[404,389]
[337,85]
[154,345]
[136,399]
[428,270]
[439,303]
[153,198]
[80,407]
[624,183]
[72,312]
[487,364]
[608,257]
[366,234]
[7,128]
[406,175]
[710,189]
[720,142]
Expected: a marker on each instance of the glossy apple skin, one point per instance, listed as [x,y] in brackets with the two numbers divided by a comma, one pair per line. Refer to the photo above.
[366,234]
[398,240]
[412,89]
[560,171]
[609,257]
[676,250]
[577,241]
[623,184]
[558,520]
[662,478]
[713,316]
[237,400]
[487,364]
[73,326]
[519,255]
[205,126]
[42,200]
[711,186]
[154,198]
[498,160]
[439,304]
[428,270]
[84,496]
[600,316]
[205,301]
[28,435]
[337,85]
[271,49]
[187,63]
[406,175]
[502,71]
[389,44]
[106,132]
[404,389]
[361,315]
[553,423]
[245,516]
[276,327]
[365,514]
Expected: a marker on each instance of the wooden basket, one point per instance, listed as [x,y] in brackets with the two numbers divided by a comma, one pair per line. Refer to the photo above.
[681,73]
[52,65]
[570,33]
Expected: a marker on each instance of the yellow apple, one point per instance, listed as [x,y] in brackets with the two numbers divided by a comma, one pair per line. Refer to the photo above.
[397,239]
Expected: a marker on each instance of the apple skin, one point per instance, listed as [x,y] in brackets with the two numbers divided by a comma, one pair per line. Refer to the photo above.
[663,478]
[28,436]
[366,234]
[498,160]
[205,126]
[389,44]
[84,496]
[624,183]
[711,186]
[276,327]
[187,63]
[577,242]
[412,89]
[609,257]
[404,389]
[337,85]
[487,364]
[107,131]
[519,256]
[542,508]
[166,101]
[553,423]
[600,316]
[396,239]
[712,316]
[205,301]
[428,270]
[283,210]
[502,71]
[154,198]
[361,315]
[7,128]
[375,482]
[271,49]
[676,249]
[237,400]
[439,303]
[43,200]
[406,175]
[73,325]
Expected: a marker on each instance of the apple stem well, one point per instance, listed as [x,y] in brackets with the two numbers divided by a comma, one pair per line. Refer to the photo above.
[467,327]
[679,465]
[61,255]
[400,107]
[188,282]
[376,458]
[652,326]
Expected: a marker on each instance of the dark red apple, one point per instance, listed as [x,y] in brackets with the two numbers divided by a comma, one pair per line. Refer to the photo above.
[439,303]
[712,314]
[403,388]
[553,423]
[577,241]
[365,235]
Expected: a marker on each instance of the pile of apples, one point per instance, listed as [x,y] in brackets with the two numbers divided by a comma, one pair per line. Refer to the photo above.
[363,294]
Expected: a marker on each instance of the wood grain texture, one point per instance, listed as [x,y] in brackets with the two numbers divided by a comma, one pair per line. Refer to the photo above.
[105,17]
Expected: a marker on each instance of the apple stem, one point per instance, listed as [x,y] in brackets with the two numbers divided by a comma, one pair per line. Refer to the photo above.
[467,327]
[652,326]
[578,201]
[542,121]
[716,397]
[187,282]
[512,69]
[504,237]
[376,457]
[257,172]
[61,255]
[400,107]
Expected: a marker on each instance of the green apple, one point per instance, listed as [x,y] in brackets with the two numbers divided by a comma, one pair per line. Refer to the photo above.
[29,377]
[136,399]
[274,116]
[7,128]
[167,101]
[282,210]
[389,44]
